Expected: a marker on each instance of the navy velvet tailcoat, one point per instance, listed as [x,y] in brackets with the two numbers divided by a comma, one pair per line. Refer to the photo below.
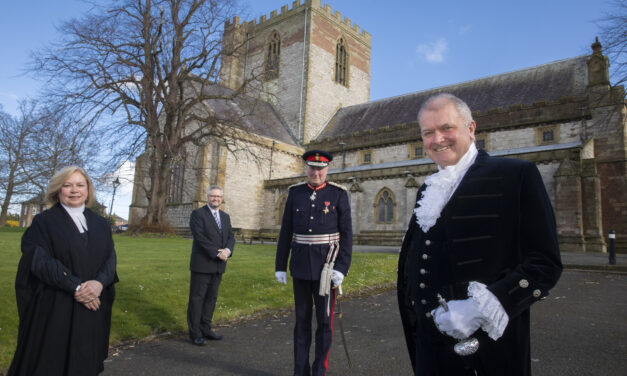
[498,228]
[57,335]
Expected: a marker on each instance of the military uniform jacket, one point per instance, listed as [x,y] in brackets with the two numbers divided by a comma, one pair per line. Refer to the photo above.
[498,228]
[329,212]
[208,239]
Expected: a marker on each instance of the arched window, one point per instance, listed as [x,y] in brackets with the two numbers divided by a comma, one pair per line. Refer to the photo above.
[280,208]
[174,189]
[341,60]
[384,207]
[273,53]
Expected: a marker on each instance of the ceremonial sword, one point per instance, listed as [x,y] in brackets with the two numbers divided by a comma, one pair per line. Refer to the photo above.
[340,313]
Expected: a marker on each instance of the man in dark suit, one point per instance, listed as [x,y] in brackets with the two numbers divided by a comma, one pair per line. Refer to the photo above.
[483,237]
[212,246]
[317,228]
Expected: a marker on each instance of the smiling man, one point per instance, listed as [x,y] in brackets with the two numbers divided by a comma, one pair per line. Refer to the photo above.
[483,237]
[212,246]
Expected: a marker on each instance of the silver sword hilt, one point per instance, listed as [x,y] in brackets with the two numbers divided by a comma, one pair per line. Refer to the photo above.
[466,346]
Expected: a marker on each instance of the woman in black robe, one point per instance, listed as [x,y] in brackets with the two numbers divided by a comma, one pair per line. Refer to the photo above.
[65,284]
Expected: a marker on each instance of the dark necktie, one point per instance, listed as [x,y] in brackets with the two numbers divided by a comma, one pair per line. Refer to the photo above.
[217,218]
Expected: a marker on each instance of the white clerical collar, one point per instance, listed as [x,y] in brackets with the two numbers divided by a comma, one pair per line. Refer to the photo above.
[77,216]
[440,188]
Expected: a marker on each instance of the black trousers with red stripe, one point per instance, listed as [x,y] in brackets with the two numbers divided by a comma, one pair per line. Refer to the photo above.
[305,298]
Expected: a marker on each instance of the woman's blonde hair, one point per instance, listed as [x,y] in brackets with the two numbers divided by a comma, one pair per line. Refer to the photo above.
[57,181]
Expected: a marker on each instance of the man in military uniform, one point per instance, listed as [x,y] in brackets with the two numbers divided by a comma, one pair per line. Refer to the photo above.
[317,228]
[483,237]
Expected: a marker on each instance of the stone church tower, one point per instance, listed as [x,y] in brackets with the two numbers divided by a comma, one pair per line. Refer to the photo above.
[307,60]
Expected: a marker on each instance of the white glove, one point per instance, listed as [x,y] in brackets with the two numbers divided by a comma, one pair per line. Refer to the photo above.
[461,320]
[281,277]
[337,278]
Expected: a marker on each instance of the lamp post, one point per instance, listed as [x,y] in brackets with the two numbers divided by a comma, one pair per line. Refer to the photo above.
[116,184]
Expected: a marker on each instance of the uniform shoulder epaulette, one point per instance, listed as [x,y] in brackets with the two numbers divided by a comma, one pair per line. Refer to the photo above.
[296,185]
[337,185]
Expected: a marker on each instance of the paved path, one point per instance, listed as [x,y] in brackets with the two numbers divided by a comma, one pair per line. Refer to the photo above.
[580,329]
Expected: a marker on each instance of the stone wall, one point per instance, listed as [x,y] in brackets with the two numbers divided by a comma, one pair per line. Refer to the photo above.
[324,95]
[304,93]
[244,193]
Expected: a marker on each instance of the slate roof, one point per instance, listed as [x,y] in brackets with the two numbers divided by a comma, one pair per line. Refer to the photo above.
[547,82]
[39,200]
[250,114]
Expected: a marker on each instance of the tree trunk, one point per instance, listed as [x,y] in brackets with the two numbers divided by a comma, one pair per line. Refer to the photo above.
[8,195]
[155,217]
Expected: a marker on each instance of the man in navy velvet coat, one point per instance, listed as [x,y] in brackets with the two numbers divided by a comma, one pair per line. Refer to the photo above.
[483,237]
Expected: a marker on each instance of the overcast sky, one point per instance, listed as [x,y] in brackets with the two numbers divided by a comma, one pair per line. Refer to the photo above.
[416,45]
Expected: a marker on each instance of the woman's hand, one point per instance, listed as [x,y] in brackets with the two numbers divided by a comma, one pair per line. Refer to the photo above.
[89,294]
[93,305]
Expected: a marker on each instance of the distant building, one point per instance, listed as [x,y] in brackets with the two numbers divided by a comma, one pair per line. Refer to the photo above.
[30,208]
[563,115]
[119,221]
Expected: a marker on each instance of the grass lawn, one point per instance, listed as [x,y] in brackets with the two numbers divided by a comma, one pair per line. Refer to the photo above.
[151,297]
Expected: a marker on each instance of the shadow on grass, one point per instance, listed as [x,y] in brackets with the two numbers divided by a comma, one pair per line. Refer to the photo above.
[140,311]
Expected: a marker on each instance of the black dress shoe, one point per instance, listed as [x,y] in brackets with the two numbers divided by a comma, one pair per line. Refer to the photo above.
[199,341]
[212,336]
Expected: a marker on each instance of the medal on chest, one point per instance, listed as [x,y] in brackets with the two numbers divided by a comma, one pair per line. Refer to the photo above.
[326,207]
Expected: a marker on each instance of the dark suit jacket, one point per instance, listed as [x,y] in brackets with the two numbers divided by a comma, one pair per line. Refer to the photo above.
[208,239]
[499,229]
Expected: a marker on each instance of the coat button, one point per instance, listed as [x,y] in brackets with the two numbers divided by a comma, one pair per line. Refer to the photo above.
[423,301]
[537,293]
[428,315]
[310,217]
[427,242]
[309,230]
[422,285]
[425,256]
[423,272]
[313,206]
[523,283]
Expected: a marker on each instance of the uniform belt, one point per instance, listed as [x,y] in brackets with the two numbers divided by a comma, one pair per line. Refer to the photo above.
[317,239]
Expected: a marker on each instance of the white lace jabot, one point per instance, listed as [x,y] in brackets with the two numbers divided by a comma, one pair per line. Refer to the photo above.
[440,188]
[77,216]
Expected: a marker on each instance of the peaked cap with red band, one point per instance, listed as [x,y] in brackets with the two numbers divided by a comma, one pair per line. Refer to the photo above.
[317,158]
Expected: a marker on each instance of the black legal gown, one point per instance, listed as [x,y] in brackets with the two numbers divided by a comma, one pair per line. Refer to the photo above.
[57,335]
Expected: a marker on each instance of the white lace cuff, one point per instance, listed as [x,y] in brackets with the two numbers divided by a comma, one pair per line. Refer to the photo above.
[494,313]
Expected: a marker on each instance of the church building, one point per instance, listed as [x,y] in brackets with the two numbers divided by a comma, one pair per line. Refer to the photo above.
[313,66]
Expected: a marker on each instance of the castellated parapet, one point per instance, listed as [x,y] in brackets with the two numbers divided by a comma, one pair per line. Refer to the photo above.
[297,8]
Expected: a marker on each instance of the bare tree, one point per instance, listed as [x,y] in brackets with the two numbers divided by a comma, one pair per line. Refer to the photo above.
[61,139]
[614,38]
[15,146]
[37,144]
[148,68]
